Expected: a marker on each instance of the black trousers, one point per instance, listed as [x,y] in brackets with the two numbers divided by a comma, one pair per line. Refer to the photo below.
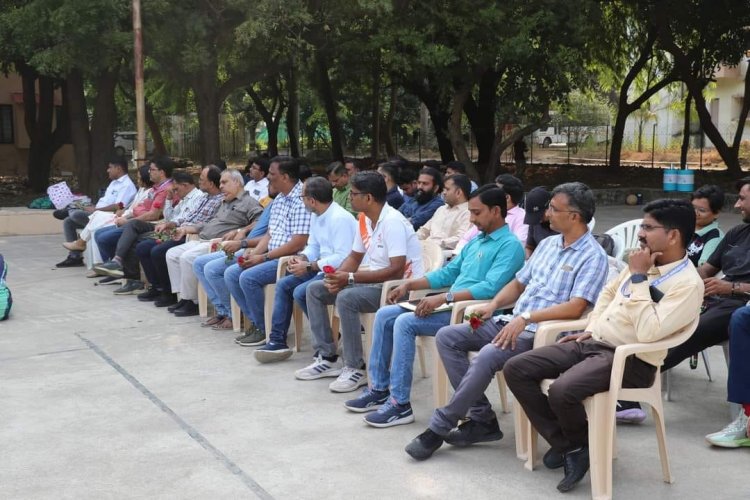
[582,369]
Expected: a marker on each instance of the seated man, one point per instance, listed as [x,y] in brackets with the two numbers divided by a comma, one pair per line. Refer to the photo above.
[388,241]
[707,202]
[407,182]
[484,266]
[338,176]
[119,193]
[536,219]
[389,171]
[426,200]
[152,254]
[287,234]
[737,433]
[450,221]
[237,210]
[455,168]
[257,186]
[332,232]
[659,293]
[209,269]
[560,281]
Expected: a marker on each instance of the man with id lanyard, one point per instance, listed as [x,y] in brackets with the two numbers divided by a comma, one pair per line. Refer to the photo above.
[659,293]
[561,280]
[483,267]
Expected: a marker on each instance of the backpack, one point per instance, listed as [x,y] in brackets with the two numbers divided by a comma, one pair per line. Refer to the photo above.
[607,243]
[6,300]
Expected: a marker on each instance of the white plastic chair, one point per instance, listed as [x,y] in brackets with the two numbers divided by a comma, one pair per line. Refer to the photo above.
[625,236]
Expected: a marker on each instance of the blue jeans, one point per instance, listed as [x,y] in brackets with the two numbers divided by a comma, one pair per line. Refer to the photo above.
[209,269]
[106,239]
[395,335]
[738,384]
[246,286]
[289,289]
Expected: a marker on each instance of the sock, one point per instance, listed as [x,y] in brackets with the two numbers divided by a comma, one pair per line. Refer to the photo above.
[332,359]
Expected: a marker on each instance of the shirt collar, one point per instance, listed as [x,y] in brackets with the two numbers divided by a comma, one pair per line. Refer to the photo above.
[662,270]
[497,233]
[580,242]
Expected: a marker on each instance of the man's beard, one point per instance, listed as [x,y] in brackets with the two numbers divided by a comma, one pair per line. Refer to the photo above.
[423,197]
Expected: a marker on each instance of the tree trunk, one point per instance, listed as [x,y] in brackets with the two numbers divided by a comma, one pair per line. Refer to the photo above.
[292,113]
[207,106]
[79,124]
[330,105]
[103,122]
[456,135]
[387,132]
[502,143]
[481,115]
[375,112]
[439,115]
[61,135]
[159,147]
[272,117]
[685,132]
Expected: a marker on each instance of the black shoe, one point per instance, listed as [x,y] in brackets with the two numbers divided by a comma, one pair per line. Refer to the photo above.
[71,262]
[553,459]
[423,446]
[149,295]
[109,280]
[576,464]
[166,300]
[176,305]
[472,431]
[190,308]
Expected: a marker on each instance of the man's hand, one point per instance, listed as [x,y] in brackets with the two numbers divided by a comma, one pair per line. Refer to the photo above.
[163,226]
[231,235]
[397,293]
[716,286]
[119,212]
[251,260]
[641,260]
[297,266]
[510,332]
[89,209]
[119,221]
[429,304]
[231,246]
[335,282]
[485,310]
[577,337]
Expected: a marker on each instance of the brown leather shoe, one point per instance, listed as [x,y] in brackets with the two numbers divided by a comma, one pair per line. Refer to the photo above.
[212,321]
[75,246]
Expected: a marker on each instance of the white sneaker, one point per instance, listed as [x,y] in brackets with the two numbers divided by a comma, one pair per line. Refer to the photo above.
[350,380]
[733,435]
[319,368]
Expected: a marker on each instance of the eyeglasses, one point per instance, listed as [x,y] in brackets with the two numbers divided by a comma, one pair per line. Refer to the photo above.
[552,208]
[701,210]
[352,194]
[649,227]
[302,196]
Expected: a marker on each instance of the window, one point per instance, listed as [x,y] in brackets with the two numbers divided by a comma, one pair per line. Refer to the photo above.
[6,124]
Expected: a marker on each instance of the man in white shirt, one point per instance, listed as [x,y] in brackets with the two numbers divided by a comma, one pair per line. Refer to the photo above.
[332,233]
[119,193]
[257,186]
[451,220]
[388,240]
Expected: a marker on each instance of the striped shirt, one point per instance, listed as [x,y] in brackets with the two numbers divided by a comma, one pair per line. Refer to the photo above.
[204,212]
[174,211]
[554,275]
[288,217]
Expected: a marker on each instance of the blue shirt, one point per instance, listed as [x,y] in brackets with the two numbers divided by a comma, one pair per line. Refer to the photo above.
[419,214]
[485,265]
[261,226]
[393,198]
[553,275]
[332,235]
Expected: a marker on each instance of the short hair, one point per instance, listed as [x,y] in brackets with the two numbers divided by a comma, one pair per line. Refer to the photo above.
[437,177]
[164,163]
[462,182]
[263,163]
[120,161]
[390,168]
[288,166]
[319,189]
[372,183]
[398,160]
[335,168]
[742,182]
[714,194]
[580,198]
[407,175]
[235,175]
[305,172]
[456,166]
[144,175]
[220,163]
[492,196]
[354,161]
[432,163]
[213,175]
[674,214]
[182,177]
[512,185]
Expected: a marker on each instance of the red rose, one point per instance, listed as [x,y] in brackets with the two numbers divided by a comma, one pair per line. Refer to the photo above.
[329,269]
[475,323]
[158,241]
[240,260]
[214,246]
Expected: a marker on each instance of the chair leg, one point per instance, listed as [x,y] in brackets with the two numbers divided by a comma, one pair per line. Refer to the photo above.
[708,366]
[502,387]
[532,438]
[299,322]
[269,292]
[667,382]
[657,412]
[236,316]
[600,412]
[521,422]
[202,301]
[440,381]
[420,356]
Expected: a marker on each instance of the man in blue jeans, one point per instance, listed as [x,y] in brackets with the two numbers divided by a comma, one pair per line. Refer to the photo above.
[332,232]
[482,268]
[287,235]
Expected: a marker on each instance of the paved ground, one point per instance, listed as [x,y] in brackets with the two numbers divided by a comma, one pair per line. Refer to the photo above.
[105,397]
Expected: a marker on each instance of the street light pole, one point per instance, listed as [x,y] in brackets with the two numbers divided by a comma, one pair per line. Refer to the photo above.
[140,98]
[653,144]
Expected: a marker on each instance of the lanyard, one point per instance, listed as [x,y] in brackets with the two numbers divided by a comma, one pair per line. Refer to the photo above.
[625,289]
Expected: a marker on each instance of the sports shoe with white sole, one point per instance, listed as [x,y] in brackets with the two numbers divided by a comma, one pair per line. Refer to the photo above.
[320,368]
[368,400]
[350,380]
[390,414]
[733,435]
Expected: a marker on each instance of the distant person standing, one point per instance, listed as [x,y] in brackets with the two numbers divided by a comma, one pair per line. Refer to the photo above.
[519,154]
[257,170]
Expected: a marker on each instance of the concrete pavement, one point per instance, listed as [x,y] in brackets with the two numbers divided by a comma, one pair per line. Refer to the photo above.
[105,397]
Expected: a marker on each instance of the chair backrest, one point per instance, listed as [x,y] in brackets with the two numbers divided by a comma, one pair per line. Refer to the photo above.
[592,224]
[625,236]
[432,256]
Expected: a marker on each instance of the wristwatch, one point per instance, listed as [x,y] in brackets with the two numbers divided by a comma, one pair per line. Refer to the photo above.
[309,267]
[243,244]
[449,299]
[638,278]
[526,316]
[266,257]
[351,279]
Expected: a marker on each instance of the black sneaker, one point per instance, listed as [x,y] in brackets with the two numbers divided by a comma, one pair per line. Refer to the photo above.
[176,305]
[166,300]
[553,459]
[423,446]
[71,262]
[130,287]
[576,466]
[189,308]
[151,294]
[472,431]
[109,280]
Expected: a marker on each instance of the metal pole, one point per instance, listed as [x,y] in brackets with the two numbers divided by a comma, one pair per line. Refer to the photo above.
[140,97]
[606,147]
[420,144]
[653,144]
[568,141]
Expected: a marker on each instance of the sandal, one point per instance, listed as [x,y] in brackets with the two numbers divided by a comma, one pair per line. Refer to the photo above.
[213,320]
[225,324]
